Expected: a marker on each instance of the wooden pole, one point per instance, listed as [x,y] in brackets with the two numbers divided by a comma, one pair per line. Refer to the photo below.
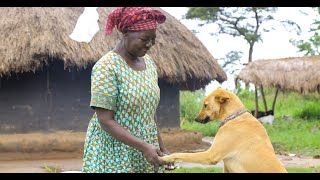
[263,99]
[256,101]
[274,99]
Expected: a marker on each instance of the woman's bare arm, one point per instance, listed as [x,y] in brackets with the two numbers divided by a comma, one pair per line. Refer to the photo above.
[109,125]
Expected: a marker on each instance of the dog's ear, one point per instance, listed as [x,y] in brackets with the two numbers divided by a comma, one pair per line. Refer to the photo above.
[221,98]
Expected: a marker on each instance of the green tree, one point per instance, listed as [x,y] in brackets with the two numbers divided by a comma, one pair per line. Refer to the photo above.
[244,22]
[310,46]
[230,60]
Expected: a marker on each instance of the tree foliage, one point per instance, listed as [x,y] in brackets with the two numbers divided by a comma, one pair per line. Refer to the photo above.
[230,61]
[311,46]
[244,22]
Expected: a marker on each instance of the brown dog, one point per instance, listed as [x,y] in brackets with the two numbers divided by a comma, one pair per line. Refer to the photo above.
[241,142]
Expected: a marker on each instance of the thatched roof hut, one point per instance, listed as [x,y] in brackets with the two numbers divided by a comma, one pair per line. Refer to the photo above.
[29,36]
[301,74]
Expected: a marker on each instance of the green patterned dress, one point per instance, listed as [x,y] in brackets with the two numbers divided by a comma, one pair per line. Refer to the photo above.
[134,97]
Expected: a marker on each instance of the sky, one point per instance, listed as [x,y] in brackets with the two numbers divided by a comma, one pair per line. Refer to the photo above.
[275,43]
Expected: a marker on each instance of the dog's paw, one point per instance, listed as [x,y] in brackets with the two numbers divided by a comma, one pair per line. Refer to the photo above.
[171,167]
[168,158]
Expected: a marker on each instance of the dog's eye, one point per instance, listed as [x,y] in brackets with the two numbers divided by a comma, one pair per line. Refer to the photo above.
[205,105]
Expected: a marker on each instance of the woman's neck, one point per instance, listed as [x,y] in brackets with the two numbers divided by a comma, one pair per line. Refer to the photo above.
[122,50]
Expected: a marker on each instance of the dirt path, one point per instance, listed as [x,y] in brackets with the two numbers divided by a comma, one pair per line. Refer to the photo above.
[36,166]
[290,160]
[74,164]
[27,153]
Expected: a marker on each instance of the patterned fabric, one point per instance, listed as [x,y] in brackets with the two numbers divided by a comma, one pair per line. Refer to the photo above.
[134,97]
[134,18]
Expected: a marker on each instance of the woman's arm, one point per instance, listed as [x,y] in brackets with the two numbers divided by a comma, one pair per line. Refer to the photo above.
[169,165]
[161,144]
[109,125]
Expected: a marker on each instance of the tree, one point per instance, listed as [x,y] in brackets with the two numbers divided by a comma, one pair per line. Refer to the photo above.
[230,60]
[312,45]
[244,22]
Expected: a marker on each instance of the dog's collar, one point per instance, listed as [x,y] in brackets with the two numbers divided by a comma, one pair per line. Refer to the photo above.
[234,115]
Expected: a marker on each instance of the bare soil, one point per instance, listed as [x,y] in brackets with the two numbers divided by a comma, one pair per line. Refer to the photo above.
[63,150]
[68,144]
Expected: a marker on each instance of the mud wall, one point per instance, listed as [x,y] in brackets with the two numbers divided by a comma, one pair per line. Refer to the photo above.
[56,99]
[50,99]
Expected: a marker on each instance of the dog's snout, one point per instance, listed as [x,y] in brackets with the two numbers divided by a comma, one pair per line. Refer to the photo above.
[207,119]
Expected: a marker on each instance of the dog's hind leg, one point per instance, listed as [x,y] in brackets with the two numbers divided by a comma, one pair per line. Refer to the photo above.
[225,169]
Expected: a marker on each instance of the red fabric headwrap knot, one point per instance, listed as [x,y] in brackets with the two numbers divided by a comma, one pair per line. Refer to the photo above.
[134,18]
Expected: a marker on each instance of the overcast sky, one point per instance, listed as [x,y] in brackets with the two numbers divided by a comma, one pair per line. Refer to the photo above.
[275,43]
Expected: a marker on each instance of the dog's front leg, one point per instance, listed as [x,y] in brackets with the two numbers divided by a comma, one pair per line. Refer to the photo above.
[205,157]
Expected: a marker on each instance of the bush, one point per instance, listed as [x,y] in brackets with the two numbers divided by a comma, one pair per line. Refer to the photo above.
[208,129]
[190,104]
[310,110]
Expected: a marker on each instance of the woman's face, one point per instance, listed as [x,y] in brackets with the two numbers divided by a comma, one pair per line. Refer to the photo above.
[138,43]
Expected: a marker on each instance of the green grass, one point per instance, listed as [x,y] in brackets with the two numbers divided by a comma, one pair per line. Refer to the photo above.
[299,136]
[208,129]
[52,169]
[296,136]
[190,104]
[304,170]
[220,170]
[197,170]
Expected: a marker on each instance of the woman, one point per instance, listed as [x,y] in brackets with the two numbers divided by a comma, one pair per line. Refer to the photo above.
[122,135]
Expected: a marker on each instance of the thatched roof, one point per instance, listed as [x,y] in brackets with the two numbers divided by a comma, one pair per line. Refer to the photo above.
[301,74]
[31,36]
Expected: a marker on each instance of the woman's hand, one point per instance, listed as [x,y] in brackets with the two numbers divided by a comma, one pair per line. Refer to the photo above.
[152,153]
[168,165]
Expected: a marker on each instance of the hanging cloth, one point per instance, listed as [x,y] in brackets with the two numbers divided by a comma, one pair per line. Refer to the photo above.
[87,25]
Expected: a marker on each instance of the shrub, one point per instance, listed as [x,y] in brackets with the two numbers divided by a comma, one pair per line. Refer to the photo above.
[310,110]
[190,104]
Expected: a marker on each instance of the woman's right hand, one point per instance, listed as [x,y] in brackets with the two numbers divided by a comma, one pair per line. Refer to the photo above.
[152,154]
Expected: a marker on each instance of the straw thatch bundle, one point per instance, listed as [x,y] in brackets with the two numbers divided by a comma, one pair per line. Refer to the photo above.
[301,74]
[32,36]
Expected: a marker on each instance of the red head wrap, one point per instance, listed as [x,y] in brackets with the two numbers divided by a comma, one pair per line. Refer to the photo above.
[134,18]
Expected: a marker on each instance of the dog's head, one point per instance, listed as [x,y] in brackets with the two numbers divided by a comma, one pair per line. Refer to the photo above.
[217,105]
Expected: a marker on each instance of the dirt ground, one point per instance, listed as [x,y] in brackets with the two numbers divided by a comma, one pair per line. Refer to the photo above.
[63,144]
[62,151]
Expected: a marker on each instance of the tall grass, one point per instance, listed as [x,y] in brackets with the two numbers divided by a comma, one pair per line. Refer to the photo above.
[296,128]
[190,104]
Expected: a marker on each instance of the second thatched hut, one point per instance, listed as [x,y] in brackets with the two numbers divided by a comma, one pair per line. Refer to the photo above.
[299,74]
